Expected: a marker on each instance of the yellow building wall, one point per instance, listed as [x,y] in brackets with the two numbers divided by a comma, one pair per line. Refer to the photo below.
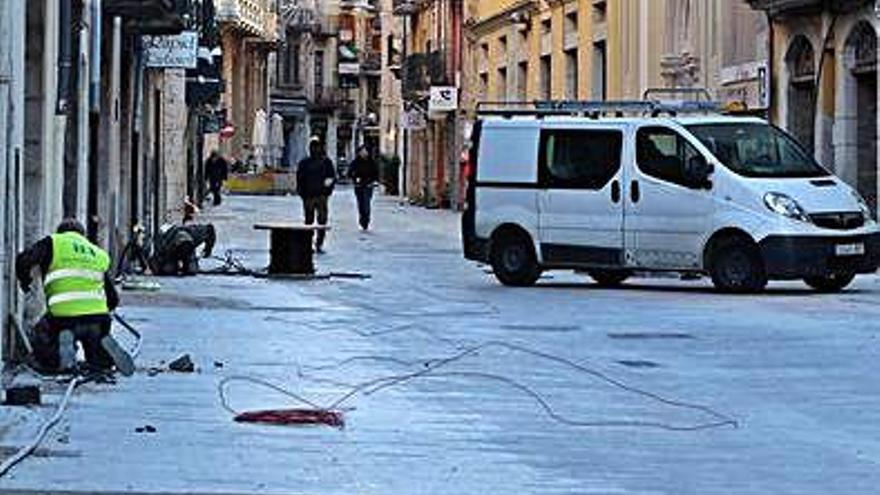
[585,54]
[634,37]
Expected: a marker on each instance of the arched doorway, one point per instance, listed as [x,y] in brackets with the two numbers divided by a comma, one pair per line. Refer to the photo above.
[861,57]
[801,64]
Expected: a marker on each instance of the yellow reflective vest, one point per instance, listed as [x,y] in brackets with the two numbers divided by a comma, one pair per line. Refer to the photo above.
[74,284]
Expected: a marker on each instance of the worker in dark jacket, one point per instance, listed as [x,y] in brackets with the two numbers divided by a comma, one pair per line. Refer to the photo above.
[364,172]
[176,246]
[217,171]
[79,298]
[315,179]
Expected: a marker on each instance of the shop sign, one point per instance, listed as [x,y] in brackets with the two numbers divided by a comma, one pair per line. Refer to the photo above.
[172,51]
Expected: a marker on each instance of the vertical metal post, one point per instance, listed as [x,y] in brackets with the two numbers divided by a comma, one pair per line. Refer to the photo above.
[12,47]
[404,163]
[6,287]
[64,57]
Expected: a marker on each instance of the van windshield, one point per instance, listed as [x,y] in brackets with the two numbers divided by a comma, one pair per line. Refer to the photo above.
[757,150]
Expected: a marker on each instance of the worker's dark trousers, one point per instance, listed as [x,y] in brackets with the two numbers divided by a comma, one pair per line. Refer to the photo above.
[317,206]
[364,195]
[215,191]
[89,334]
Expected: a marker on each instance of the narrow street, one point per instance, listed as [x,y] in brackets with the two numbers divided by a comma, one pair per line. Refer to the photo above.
[663,387]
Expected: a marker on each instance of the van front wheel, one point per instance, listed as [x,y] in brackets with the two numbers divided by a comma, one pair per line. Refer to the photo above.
[832,282]
[513,260]
[737,267]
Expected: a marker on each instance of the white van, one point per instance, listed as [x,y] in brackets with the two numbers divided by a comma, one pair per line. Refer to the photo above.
[731,197]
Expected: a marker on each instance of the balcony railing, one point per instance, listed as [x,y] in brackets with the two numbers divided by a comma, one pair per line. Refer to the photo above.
[423,70]
[254,17]
[326,99]
[152,16]
[300,20]
[405,7]
[371,62]
[795,7]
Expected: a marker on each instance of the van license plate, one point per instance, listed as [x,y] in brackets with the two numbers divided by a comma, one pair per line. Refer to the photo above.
[850,249]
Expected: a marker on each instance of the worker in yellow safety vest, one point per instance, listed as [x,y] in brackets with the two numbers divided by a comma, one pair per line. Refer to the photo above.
[79,298]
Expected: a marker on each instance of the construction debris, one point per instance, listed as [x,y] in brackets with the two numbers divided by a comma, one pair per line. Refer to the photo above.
[27,395]
[294,417]
[140,284]
[183,364]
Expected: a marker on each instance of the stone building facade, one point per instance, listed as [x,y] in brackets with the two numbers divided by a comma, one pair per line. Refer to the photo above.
[614,49]
[824,69]
[87,130]
[248,35]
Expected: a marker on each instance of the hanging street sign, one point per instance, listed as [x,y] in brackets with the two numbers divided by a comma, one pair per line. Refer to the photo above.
[443,99]
[172,51]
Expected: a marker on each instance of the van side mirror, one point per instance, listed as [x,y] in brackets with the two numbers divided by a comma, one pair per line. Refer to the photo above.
[699,172]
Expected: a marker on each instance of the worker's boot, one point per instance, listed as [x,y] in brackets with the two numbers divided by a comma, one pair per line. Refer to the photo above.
[123,360]
[66,351]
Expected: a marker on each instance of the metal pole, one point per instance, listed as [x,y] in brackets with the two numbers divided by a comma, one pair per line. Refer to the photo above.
[64,57]
[12,34]
[404,163]
[82,124]
[6,287]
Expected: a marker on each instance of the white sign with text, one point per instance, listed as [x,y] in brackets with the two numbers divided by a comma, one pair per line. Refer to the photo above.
[177,51]
[443,99]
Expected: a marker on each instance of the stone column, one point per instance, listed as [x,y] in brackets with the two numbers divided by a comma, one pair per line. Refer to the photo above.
[173,135]
[845,127]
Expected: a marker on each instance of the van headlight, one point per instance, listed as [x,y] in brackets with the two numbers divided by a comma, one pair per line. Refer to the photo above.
[863,206]
[784,205]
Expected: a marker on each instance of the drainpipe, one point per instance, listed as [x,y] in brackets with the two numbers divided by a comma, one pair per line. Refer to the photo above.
[12,22]
[94,89]
[95,33]
[6,284]
[404,163]
[82,123]
[64,57]
[771,63]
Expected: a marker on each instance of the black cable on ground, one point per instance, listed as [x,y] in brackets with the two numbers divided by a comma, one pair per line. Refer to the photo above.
[230,265]
[430,367]
[84,375]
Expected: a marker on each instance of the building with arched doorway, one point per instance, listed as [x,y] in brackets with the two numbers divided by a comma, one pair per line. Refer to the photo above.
[824,82]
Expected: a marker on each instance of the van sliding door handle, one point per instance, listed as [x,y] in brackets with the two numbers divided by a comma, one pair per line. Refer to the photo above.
[615,192]
[635,192]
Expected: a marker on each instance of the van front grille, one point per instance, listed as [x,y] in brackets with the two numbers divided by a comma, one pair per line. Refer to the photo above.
[839,221]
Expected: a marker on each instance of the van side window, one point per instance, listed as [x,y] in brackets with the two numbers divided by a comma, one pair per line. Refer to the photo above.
[663,154]
[579,159]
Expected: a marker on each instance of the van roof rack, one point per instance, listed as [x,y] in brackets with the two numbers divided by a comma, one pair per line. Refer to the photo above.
[699,102]
[677,94]
[596,109]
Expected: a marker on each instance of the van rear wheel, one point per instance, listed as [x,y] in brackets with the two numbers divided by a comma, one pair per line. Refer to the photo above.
[832,282]
[609,278]
[513,260]
[737,267]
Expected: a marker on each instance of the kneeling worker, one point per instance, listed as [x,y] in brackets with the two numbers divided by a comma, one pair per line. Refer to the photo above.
[79,297]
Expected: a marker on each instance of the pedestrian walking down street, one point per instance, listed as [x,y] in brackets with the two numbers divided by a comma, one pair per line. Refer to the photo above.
[315,180]
[217,171]
[364,171]
[79,298]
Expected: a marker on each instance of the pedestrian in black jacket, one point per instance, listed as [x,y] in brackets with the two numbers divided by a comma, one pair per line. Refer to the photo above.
[217,171]
[364,171]
[315,179]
